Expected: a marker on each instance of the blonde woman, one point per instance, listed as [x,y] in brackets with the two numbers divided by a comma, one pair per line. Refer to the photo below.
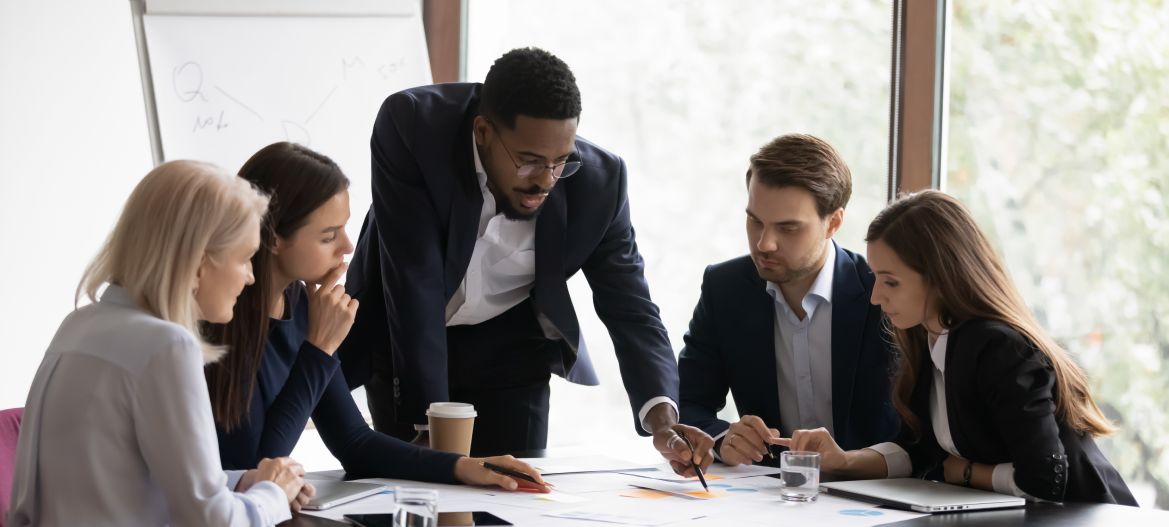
[117,429]
[986,398]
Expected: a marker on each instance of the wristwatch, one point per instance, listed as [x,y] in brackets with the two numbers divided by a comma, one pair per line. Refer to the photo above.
[967,472]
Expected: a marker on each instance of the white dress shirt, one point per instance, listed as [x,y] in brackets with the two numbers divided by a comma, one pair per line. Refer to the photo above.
[803,353]
[897,459]
[503,263]
[117,430]
[502,272]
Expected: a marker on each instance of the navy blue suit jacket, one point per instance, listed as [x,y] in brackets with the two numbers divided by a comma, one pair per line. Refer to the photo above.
[731,346]
[417,240]
[297,381]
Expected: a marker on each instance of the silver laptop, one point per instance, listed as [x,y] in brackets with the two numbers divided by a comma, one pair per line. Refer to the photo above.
[331,493]
[921,495]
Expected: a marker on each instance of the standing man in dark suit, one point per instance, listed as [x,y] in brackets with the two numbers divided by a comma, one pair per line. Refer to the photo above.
[789,329]
[485,202]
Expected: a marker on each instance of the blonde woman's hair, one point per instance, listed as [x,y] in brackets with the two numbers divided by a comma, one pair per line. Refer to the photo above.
[179,214]
[936,236]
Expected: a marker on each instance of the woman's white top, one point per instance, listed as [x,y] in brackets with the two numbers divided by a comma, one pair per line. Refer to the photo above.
[117,430]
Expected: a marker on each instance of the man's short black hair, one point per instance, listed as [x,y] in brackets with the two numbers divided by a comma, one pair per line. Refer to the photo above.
[531,82]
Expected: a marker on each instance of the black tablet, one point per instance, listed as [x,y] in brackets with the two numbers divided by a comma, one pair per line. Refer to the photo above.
[445,519]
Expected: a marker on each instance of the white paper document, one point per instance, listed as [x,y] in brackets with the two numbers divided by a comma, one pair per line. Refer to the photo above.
[716,472]
[583,464]
[682,490]
[826,511]
[625,515]
[589,481]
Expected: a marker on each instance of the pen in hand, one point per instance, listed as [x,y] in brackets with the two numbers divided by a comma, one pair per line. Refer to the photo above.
[697,469]
[512,473]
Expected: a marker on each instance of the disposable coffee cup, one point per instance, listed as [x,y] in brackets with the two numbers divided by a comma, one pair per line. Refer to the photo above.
[451,426]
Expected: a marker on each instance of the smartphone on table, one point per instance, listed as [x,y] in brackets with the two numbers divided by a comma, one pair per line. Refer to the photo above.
[445,519]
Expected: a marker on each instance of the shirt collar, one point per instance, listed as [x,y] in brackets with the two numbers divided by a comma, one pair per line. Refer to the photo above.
[938,351]
[489,208]
[480,172]
[821,287]
[117,295]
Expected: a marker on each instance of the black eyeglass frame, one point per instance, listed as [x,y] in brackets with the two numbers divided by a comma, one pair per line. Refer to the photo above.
[568,167]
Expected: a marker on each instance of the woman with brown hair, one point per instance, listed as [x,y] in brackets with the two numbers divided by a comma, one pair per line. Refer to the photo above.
[285,332]
[983,393]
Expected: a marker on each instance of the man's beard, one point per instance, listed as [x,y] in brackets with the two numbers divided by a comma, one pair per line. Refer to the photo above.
[505,206]
[787,275]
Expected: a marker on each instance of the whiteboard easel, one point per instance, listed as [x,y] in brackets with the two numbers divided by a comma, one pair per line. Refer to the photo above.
[222,79]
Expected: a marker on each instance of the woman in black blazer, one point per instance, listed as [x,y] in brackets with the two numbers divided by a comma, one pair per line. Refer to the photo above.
[985,396]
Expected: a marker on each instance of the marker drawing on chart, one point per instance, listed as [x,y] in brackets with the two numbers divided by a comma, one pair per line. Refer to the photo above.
[322,105]
[347,65]
[388,70]
[188,81]
[209,122]
[295,133]
[240,103]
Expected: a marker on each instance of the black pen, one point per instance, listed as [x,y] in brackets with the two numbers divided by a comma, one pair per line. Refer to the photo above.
[513,473]
[697,469]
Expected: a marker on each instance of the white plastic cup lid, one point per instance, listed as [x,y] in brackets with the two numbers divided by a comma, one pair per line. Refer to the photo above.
[451,410]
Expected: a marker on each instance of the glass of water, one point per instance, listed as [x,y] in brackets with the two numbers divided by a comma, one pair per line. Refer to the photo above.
[800,474]
[417,507]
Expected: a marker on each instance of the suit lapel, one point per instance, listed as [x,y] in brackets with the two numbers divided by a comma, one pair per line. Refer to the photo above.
[955,388]
[850,309]
[758,330]
[466,205]
[551,289]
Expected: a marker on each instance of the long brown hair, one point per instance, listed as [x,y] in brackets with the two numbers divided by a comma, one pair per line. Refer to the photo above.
[299,180]
[935,236]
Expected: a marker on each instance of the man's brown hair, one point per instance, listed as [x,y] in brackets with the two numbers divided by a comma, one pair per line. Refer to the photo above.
[807,162]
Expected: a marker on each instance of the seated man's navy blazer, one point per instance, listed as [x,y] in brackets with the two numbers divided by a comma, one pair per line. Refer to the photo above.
[731,346]
[417,241]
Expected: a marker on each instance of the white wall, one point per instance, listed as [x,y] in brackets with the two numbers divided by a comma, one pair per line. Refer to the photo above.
[73,143]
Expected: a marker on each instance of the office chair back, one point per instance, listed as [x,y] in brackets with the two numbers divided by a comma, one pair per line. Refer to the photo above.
[9,432]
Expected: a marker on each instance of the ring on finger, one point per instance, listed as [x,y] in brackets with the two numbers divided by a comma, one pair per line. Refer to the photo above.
[670,443]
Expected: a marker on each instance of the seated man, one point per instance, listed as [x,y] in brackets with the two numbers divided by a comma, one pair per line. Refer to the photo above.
[789,329]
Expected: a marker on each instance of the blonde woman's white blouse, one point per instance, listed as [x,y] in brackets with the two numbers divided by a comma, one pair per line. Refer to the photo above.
[117,430]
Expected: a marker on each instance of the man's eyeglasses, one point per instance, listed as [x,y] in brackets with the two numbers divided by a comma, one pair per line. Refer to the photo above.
[559,170]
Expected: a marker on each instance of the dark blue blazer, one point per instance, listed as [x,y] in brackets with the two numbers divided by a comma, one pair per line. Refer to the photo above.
[417,240]
[297,381]
[731,346]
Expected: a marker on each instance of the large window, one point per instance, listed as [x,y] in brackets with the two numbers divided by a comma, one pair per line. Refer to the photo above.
[686,91]
[1057,141]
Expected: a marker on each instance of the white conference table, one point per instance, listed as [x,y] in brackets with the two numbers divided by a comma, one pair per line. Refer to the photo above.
[747,501]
